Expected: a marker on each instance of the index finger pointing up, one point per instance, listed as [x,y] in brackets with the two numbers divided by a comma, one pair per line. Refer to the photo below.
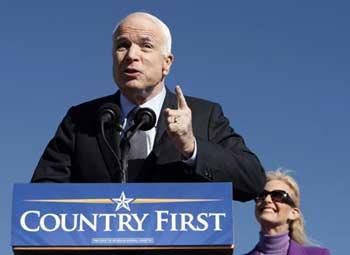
[181,101]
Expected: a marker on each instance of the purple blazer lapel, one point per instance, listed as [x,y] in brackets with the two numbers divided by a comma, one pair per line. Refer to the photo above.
[296,249]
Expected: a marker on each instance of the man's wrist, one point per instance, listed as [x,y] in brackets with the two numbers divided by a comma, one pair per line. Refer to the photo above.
[191,158]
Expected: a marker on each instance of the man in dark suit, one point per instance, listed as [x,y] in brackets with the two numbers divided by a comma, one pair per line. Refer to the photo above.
[192,140]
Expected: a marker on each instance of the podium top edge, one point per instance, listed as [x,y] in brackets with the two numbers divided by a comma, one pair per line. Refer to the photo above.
[96,248]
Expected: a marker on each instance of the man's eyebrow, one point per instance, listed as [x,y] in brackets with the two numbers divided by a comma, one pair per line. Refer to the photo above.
[120,38]
[141,39]
[147,39]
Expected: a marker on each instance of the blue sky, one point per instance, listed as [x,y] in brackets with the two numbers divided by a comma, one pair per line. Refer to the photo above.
[280,70]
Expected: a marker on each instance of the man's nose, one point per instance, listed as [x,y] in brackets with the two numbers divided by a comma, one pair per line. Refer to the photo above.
[133,53]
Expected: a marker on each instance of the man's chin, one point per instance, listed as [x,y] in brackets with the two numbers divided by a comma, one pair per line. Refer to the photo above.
[134,87]
[140,94]
[137,87]
[133,84]
[136,92]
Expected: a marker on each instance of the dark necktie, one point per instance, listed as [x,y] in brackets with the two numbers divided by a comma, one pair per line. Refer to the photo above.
[138,143]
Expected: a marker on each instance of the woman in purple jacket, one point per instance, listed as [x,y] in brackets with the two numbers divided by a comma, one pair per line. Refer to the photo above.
[282,225]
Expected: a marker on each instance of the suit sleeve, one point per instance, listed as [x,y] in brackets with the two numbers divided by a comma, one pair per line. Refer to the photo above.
[56,161]
[224,157]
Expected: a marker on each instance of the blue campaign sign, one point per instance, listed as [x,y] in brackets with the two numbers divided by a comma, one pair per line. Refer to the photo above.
[130,214]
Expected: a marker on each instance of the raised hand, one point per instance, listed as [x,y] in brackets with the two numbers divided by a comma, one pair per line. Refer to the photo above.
[179,125]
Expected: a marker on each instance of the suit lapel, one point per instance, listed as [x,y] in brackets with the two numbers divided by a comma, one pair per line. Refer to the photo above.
[162,140]
[113,138]
[170,101]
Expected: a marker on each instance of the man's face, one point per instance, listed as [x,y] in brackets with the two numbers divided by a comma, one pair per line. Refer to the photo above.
[139,61]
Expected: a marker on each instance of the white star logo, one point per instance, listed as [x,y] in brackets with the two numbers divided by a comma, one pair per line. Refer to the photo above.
[122,202]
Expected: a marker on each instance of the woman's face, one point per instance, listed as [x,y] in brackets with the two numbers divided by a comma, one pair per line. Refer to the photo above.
[274,216]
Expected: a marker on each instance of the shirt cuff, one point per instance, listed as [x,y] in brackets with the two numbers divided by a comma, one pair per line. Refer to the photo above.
[192,160]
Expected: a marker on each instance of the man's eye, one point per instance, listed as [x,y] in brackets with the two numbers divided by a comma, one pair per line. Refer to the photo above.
[121,45]
[148,46]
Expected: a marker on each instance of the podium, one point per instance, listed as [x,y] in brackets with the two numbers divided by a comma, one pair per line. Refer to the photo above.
[133,218]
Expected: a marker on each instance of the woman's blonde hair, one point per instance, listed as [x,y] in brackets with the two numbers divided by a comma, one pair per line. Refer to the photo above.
[296,227]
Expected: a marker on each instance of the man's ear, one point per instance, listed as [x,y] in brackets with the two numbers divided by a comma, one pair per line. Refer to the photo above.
[168,60]
[294,214]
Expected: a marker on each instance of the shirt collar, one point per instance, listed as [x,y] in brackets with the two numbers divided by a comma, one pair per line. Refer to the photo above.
[154,103]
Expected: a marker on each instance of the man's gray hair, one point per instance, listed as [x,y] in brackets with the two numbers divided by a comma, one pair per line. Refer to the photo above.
[164,28]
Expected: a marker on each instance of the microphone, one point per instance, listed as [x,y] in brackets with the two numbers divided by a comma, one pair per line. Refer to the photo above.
[145,119]
[109,113]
